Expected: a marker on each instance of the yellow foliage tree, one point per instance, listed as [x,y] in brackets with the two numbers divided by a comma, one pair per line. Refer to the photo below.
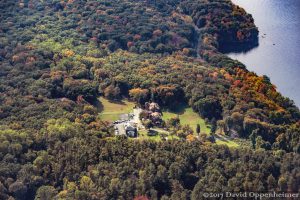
[190,138]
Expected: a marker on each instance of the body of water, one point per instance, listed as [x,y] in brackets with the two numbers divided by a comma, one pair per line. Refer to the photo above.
[278,53]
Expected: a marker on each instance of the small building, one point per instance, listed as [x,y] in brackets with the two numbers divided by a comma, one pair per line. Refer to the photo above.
[130,129]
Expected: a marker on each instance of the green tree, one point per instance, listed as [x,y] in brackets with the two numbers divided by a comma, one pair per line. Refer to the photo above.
[198,130]
[213,126]
[45,193]
[252,137]
[148,124]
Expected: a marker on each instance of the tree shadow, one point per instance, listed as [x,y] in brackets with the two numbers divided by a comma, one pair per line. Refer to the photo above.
[220,138]
[179,110]
[223,138]
[152,132]
[98,105]
[226,48]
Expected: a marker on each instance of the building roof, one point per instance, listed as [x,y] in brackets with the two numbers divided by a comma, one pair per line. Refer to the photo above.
[130,127]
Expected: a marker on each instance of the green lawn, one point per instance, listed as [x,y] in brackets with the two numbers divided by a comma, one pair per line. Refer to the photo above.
[143,135]
[221,139]
[110,111]
[188,117]
[229,143]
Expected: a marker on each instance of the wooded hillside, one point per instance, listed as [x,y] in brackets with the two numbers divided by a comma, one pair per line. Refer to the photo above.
[57,57]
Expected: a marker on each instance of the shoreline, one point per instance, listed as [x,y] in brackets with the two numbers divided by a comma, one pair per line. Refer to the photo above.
[273,57]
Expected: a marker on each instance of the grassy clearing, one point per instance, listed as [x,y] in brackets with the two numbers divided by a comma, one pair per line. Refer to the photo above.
[110,111]
[143,135]
[222,139]
[229,143]
[188,117]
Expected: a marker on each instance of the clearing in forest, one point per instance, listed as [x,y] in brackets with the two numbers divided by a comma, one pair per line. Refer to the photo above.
[188,117]
[111,110]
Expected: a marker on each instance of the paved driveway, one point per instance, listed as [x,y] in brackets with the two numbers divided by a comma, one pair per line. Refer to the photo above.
[126,118]
[121,129]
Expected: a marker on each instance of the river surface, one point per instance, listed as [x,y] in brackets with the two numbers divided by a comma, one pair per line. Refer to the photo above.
[278,53]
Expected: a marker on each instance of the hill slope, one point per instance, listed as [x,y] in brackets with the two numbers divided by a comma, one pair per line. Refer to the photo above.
[58,57]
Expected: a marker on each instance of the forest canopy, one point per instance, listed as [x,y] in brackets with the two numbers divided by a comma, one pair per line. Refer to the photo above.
[58,57]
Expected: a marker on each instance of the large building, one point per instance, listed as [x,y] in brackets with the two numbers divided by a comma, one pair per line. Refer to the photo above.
[130,129]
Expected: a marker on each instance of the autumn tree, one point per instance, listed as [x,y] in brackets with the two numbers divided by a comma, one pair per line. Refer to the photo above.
[139,95]
[112,92]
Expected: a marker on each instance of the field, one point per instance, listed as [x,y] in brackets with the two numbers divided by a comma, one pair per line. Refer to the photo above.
[229,143]
[143,135]
[110,111]
[188,117]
